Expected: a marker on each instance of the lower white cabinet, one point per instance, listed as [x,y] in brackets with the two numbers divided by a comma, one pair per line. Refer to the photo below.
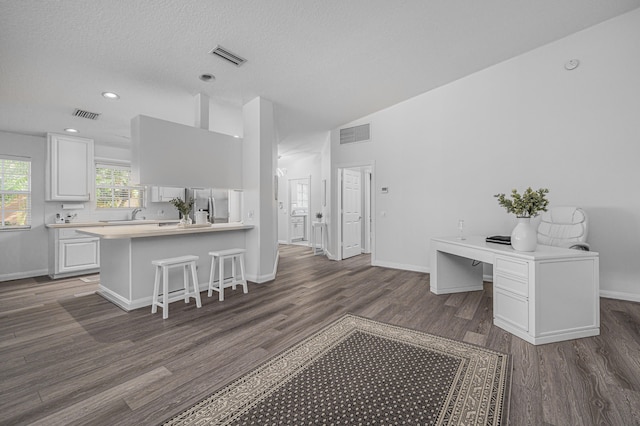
[547,300]
[298,226]
[511,309]
[73,253]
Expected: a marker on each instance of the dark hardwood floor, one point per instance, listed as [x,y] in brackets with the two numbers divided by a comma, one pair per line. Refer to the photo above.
[67,356]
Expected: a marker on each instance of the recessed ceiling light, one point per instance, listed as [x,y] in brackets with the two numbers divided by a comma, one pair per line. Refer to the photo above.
[110,95]
[207,77]
[236,136]
[70,130]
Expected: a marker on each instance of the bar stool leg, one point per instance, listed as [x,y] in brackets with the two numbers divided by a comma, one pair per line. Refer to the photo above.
[211,275]
[185,275]
[233,271]
[165,292]
[221,279]
[156,290]
[196,287]
[245,289]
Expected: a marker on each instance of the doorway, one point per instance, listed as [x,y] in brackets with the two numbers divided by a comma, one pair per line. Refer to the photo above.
[355,207]
[299,204]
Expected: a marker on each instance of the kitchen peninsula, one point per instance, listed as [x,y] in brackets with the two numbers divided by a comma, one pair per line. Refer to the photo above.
[126,252]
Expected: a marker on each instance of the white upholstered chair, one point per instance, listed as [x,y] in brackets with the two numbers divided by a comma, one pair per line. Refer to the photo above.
[564,227]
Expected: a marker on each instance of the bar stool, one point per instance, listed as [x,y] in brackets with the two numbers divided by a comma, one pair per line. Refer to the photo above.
[218,257]
[162,267]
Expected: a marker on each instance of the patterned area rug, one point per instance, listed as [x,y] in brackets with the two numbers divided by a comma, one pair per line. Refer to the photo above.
[359,371]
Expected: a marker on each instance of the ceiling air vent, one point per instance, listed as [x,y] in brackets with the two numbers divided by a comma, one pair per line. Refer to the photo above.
[228,55]
[355,134]
[86,114]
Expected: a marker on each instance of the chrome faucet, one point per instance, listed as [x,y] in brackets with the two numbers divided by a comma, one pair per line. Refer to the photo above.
[134,213]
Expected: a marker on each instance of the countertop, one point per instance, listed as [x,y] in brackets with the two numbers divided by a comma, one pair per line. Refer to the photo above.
[111,223]
[153,230]
[472,244]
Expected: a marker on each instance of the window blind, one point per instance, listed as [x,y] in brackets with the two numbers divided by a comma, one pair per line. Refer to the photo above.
[15,192]
[113,187]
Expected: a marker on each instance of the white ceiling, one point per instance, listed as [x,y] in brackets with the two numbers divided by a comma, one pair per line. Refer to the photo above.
[322,62]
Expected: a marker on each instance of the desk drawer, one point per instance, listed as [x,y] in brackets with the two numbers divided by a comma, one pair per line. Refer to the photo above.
[512,284]
[511,309]
[512,267]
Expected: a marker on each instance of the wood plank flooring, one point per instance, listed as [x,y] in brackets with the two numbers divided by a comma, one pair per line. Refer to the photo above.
[67,356]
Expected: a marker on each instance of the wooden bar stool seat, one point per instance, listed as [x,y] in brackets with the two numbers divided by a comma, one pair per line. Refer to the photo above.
[218,258]
[162,268]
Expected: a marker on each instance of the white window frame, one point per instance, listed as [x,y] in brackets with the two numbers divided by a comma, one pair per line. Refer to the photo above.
[116,165]
[4,192]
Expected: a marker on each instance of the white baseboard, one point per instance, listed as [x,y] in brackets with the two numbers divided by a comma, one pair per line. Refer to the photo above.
[488,278]
[631,297]
[21,275]
[121,302]
[266,277]
[403,266]
[282,242]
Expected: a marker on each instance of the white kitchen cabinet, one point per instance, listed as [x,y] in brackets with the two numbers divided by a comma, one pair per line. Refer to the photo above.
[166,193]
[73,253]
[69,168]
[298,225]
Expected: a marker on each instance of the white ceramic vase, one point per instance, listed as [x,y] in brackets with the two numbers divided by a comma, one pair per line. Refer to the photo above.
[524,236]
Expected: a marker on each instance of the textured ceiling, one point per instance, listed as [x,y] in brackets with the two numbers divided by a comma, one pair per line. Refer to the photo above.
[322,62]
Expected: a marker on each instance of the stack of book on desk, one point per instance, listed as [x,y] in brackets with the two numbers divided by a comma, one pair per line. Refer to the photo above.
[499,239]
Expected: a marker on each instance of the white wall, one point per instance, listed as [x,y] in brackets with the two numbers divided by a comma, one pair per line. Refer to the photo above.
[524,122]
[172,154]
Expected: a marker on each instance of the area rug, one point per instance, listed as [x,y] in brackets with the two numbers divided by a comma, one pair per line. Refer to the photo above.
[359,371]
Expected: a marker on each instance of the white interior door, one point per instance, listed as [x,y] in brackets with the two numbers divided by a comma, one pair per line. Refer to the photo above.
[351,213]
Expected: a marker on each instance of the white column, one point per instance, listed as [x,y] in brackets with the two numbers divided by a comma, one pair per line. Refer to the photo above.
[259,157]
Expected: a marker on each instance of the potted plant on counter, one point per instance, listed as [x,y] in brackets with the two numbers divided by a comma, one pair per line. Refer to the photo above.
[529,204]
[319,216]
[184,208]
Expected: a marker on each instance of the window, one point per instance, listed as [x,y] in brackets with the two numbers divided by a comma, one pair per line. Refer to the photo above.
[113,188]
[302,194]
[15,192]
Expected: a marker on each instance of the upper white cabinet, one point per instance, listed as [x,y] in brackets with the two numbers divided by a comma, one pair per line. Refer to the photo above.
[166,193]
[69,168]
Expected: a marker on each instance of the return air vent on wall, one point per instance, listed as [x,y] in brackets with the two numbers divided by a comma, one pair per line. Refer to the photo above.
[86,114]
[228,56]
[355,134]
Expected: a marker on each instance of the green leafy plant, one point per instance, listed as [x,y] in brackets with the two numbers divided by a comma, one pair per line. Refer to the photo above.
[319,215]
[183,207]
[529,204]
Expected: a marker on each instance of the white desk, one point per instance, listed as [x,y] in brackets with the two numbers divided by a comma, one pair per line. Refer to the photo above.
[549,295]
[315,228]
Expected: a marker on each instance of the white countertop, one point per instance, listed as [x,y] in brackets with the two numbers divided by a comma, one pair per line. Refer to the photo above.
[542,252]
[153,230]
